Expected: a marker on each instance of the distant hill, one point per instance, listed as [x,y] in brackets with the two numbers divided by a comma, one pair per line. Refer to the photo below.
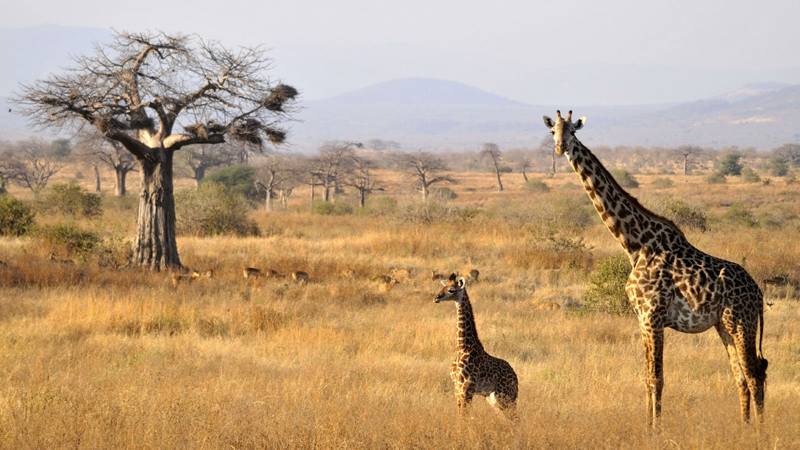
[443,114]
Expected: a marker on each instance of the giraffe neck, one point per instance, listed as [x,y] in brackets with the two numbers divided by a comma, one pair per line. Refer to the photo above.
[467,332]
[633,226]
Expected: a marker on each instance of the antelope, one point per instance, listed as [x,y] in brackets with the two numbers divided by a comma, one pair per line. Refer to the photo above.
[300,277]
[178,278]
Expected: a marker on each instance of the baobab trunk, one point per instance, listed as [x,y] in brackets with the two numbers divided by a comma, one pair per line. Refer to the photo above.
[424,193]
[199,174]
[96,178]
[685,165]
[155,246]
[362,199]
[524,175]
[119,188]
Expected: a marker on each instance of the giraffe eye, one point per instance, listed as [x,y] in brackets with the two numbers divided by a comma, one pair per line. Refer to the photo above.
[552,132]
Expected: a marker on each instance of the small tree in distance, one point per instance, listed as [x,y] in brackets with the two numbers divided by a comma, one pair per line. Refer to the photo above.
[730,164]
[96,149]
[425,169]
[29,164]
[362,179]
[491,152]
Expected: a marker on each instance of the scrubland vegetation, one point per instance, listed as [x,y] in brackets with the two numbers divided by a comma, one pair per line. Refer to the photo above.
[97,354]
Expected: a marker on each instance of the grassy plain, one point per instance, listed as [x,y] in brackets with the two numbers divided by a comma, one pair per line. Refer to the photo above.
[91,357]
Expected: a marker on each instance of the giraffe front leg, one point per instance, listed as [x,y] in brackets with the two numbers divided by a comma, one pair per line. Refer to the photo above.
[464,393]
[653,339]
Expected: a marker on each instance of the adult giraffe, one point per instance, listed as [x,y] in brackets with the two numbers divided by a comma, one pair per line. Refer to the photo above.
[673,284]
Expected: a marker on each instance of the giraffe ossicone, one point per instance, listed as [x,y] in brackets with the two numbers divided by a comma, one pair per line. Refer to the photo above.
[673,284]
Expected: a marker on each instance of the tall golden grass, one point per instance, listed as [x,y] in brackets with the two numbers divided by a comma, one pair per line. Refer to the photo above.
[97,358]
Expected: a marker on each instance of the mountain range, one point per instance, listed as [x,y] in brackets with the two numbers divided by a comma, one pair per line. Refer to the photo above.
[444,114]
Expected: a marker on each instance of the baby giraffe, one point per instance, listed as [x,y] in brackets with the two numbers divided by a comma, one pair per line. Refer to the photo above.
[474,371]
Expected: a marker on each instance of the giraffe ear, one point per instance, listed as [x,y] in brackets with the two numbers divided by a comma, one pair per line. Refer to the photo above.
[548,122]
[580,123]
[462,282]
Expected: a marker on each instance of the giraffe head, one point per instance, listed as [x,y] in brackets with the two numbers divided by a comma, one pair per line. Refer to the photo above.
[453,289]
[563,130]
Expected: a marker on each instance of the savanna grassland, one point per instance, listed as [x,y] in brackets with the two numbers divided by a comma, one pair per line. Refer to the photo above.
[95,357]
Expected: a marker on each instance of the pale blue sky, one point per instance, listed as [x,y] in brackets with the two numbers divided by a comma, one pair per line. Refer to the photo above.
[530,50]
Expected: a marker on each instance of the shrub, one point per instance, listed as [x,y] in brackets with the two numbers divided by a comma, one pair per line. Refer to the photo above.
[332,209]
[730,164]
[662,183]
[739,215]
[432,212]
[778,166]
[16,218]
[606,292]
[71,199]
[238,180]
[715,178]
[685,215]
[625,178]
[749,175]
[213,209]
[69,239]
[537,186]
[381,205]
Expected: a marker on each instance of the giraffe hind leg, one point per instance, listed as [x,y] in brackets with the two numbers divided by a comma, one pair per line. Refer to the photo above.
[738,373]
[753,367]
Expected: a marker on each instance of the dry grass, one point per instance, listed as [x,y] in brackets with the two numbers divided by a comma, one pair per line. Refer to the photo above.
[91,358]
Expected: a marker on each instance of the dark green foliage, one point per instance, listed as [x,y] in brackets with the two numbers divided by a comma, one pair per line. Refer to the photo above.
[662,183]
[685,215]
[730,164]
[606,292]
[213,209]
[71,199]
[16,218]
[69,239]
[625,178]
[238,180]
[61,148]
[778,166]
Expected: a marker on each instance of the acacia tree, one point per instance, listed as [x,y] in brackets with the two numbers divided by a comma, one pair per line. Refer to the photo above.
[425,169]
[200,158]
[140,89]
[29,164]
[99,150]
[362,179]
[492,152]
[273,174]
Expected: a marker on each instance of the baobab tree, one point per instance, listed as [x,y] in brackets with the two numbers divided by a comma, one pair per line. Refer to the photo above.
[425,169]
[139,89]
[99,150]
[29,164]
[492,153]
[332,163]
[362,179]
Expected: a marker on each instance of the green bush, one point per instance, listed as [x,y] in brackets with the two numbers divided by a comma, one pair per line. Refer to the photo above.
[749,175]
[538,186]
[685,215]
[71,199]
[730,164]
[213,209]
[625,178]
[433,212]
[778,166]
[662,183]
[716,178]
[238,180]
[16,218]
[606,292]
[69,239]
[332,209]
[739,215]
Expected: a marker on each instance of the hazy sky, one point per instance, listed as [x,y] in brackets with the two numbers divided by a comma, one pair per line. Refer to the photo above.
[529,50]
